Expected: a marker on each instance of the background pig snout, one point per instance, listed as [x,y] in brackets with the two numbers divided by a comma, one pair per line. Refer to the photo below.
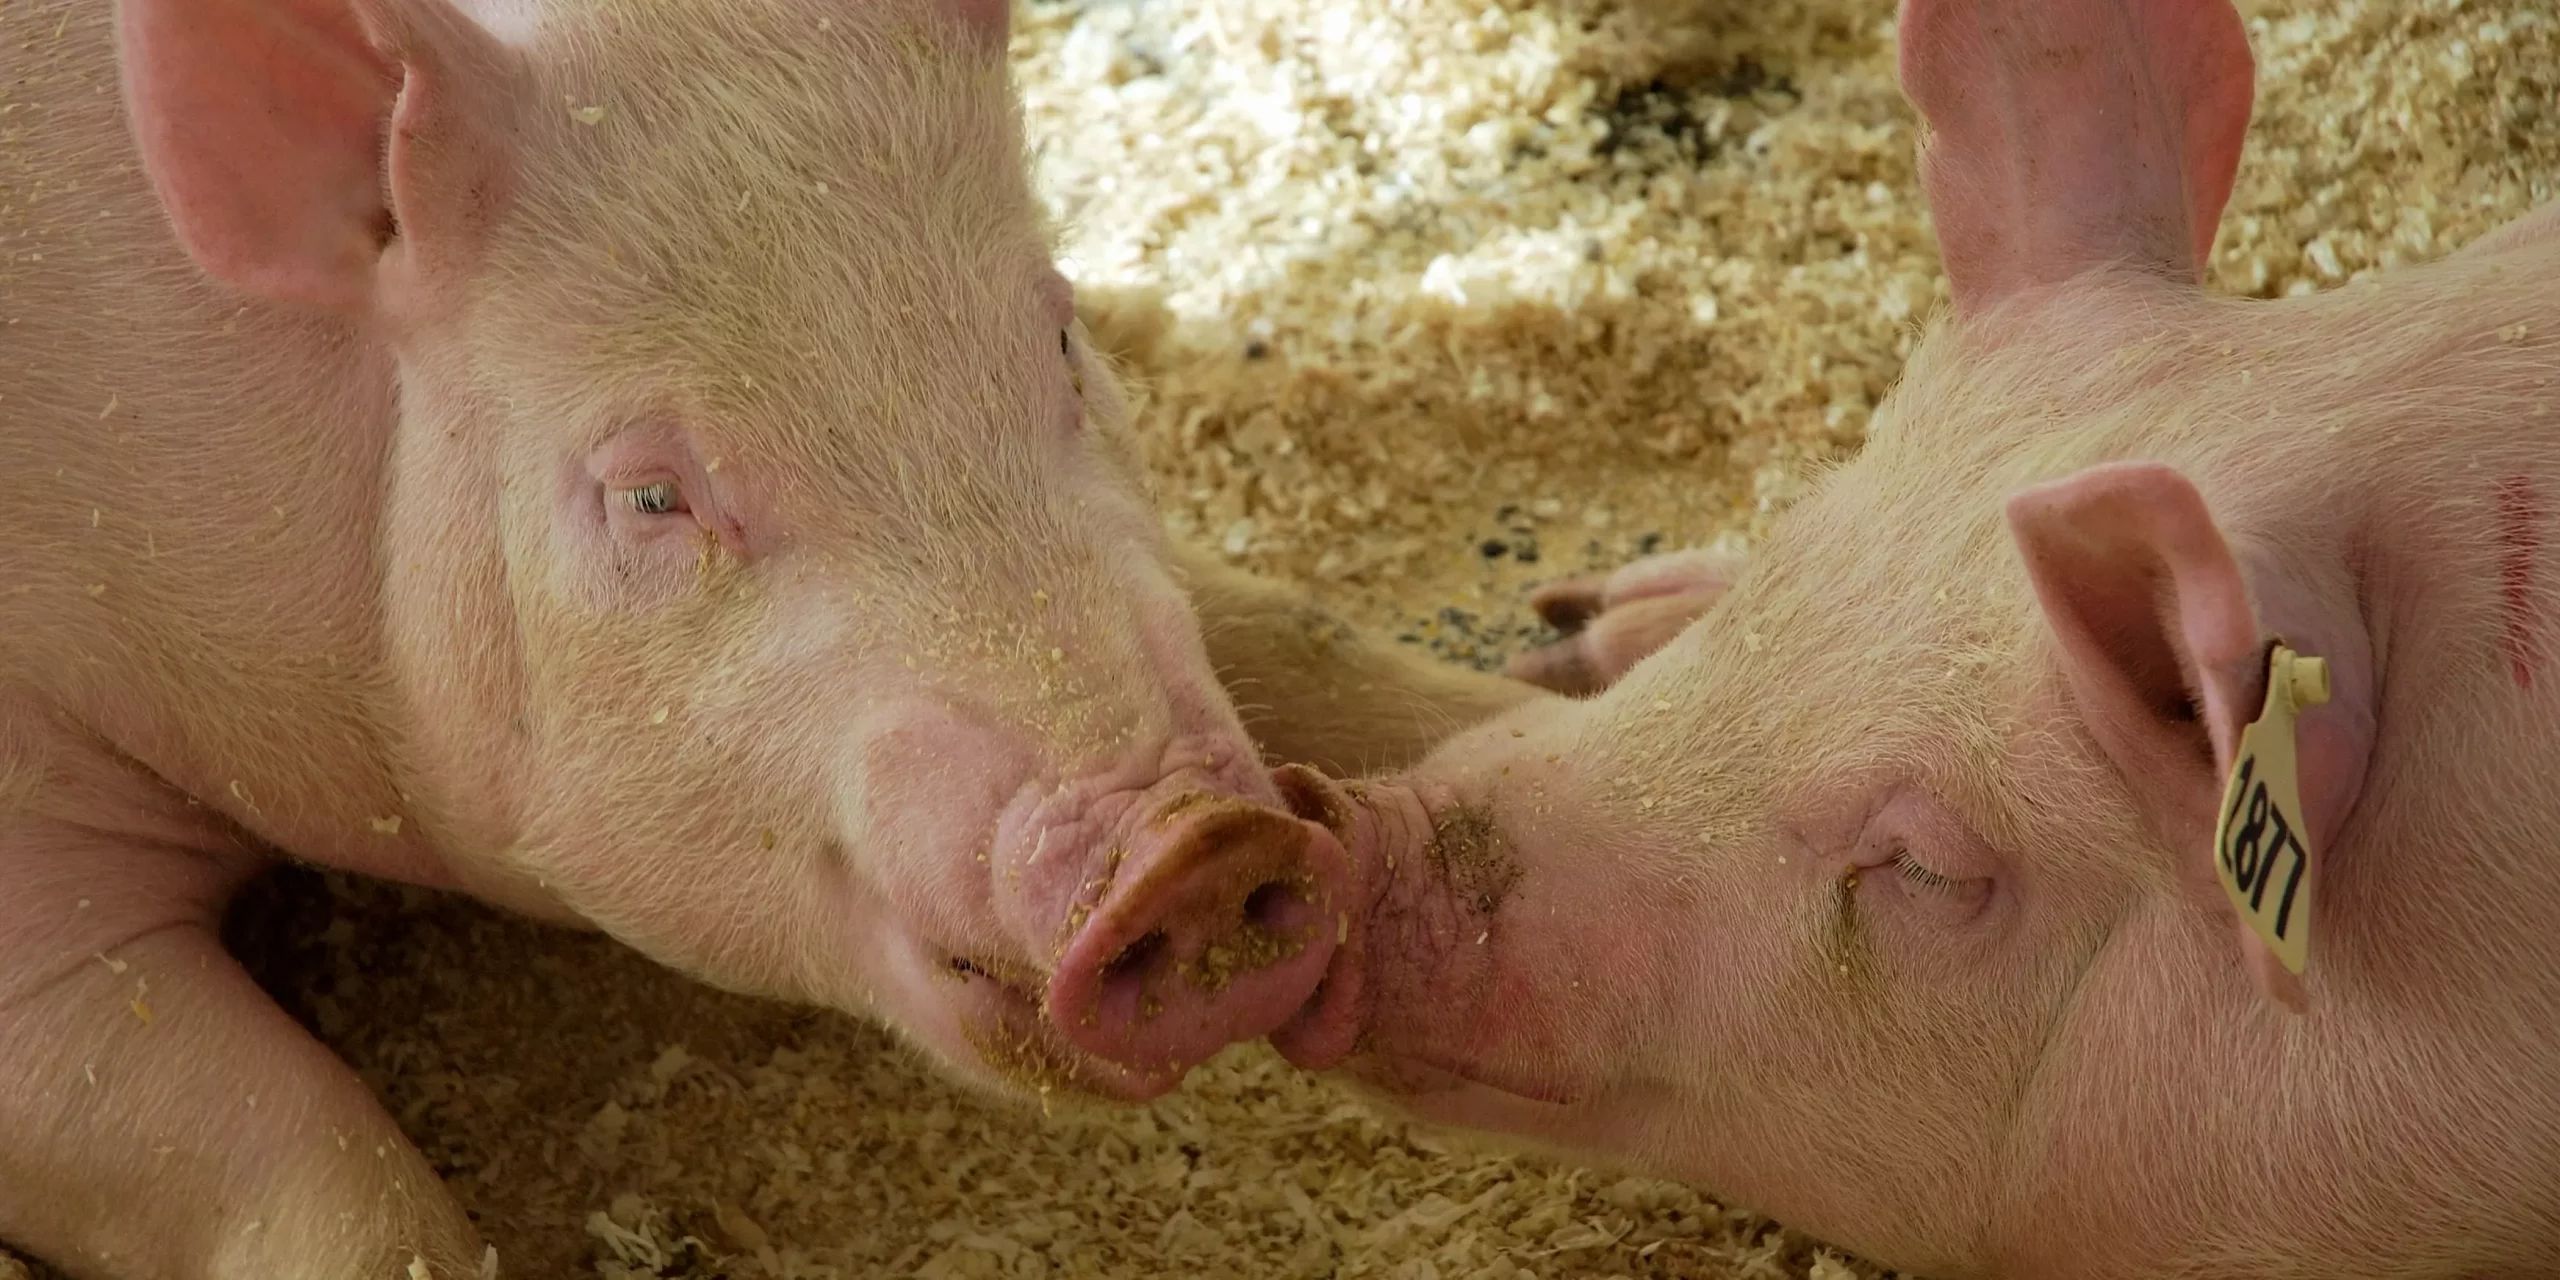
[1216,925]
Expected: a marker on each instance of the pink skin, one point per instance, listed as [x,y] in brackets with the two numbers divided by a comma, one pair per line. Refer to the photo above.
[1879,898]
[565,457]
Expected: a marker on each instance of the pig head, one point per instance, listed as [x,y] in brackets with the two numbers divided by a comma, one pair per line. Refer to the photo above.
[765,576]
[632,460]
[1880,898]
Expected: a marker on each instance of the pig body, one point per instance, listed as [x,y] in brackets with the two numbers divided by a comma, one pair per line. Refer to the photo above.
[1881,897]
[629,460]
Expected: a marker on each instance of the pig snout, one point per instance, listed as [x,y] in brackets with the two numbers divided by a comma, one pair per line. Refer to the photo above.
[1214,924]
[1464,972]
[1109,923]
[1404,925]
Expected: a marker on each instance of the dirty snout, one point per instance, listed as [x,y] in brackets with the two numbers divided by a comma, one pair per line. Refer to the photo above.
[1205,917]
[1142,915]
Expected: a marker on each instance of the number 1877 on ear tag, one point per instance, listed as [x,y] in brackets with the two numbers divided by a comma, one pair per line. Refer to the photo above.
[2260,847]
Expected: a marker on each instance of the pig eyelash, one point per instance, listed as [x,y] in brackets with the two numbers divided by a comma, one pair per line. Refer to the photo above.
[660,499]
[1909,868]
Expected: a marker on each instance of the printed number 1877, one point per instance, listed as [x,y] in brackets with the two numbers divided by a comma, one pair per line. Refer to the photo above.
[2256,835]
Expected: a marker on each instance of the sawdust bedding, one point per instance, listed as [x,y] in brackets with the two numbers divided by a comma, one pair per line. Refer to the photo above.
[1428,300]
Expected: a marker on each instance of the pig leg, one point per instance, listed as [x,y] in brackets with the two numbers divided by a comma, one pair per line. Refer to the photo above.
[1316,691]
[164,1117]
[1613,621]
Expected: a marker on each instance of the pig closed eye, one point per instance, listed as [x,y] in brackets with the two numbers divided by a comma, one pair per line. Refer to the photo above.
[660,499]
[1909,868]
[1949,898]
[1919,871]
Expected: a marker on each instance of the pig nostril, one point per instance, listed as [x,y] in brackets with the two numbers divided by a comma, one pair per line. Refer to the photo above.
[1303,791]
[1135,959]
[1269,906]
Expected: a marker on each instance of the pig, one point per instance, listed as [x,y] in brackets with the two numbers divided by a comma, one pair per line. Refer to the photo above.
[632,461]
[1882,896]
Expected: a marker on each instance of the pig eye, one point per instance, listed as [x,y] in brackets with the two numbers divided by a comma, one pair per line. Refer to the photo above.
[1066,346]
[1909,868]
[1942,874]
[659,499]
[1955,897]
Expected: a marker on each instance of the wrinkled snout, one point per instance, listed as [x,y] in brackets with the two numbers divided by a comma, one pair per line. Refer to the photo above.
[1214,922]
[1111,928]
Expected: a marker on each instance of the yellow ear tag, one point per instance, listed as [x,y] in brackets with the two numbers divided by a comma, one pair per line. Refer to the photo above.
[2261,848]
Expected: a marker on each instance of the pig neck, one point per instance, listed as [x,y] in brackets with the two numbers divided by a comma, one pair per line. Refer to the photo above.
[455,699]
[197,580]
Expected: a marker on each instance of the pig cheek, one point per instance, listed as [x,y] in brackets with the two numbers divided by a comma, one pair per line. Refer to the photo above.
[695,894]
[690,841]
[638,785]
[922,803]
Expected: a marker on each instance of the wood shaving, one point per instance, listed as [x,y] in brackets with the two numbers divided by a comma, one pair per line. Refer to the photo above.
[1428,302]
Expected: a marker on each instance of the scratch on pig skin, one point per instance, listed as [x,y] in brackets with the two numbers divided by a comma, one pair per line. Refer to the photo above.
[2519,541]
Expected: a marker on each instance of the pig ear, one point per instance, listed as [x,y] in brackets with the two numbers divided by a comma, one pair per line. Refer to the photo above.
[2161,648]
[292,140]
[2061,135]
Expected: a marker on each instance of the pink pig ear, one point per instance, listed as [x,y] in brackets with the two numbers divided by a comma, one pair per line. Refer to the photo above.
[2067,134]
[292,140]
[2153,619]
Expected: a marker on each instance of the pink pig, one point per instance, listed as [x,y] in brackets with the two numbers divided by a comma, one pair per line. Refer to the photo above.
[630,460]
[1883,898]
